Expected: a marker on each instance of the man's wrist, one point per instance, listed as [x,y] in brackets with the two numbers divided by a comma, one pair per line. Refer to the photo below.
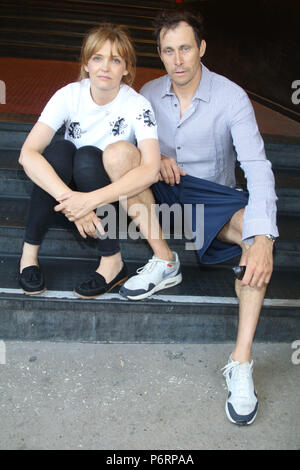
[268,236]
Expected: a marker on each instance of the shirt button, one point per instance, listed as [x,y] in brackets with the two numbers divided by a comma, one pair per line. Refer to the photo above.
[178,148]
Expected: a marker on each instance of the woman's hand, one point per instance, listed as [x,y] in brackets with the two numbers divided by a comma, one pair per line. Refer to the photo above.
[88,225]
[75,205]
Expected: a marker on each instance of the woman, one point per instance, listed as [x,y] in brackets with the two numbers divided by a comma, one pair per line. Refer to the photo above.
[99,111]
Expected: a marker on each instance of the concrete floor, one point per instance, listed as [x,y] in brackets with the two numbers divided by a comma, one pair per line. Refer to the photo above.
[141,397]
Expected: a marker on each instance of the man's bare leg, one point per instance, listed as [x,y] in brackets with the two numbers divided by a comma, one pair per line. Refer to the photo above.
[250,298]
[118,159]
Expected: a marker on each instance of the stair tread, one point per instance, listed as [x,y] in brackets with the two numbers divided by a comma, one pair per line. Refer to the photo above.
[13,213]
[287,181]
[73,26]
[290,151]
[212,281]
[284,178]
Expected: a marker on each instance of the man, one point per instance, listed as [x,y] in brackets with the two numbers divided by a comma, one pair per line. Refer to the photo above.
[203,119]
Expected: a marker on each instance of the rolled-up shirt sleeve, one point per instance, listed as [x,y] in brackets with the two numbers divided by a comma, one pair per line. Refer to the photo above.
[260,213]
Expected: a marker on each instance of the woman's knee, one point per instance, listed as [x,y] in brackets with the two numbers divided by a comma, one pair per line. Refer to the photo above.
[87,157]
[56,149]
[119,158]
[60,156]
[88,170]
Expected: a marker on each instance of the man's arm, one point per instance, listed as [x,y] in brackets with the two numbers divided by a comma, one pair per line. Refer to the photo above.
[260,213]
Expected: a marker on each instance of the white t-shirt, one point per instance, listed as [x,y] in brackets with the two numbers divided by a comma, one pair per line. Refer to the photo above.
[128,117]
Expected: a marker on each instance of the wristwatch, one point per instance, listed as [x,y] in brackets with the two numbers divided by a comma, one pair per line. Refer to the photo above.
[271,237]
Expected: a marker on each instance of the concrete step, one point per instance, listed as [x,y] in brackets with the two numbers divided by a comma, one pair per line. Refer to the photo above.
[285,160]
[286,172]
[85,11]
[287,189]
[65,53]
[14,182]
[13,135]
[69,42]
[201,309]
[49,40]
[63,240]
[65,26]
[283,155]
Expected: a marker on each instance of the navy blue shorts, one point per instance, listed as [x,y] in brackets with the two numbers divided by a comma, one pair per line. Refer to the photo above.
[220,203]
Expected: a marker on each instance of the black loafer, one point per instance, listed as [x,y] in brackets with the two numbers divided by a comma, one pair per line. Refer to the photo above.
[31,280]
[96,284]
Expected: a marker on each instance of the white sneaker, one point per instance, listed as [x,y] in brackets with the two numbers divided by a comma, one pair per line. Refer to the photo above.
[241,404]
[156,275]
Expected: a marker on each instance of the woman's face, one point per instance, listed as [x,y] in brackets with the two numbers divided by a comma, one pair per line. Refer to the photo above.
[106,68]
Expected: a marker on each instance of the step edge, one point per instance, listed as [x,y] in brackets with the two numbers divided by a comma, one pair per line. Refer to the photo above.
[169,299]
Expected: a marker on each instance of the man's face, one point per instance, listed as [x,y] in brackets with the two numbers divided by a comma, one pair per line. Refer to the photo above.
[181,55]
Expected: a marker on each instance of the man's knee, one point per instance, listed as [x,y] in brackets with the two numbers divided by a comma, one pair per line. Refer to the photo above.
[233,230]
[119,158]
[237,221]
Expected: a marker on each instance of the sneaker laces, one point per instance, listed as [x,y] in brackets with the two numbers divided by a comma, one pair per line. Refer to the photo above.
[228,368]
[150,265]
[244,376]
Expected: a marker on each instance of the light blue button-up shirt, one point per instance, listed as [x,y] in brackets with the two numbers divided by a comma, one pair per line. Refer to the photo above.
[218,128]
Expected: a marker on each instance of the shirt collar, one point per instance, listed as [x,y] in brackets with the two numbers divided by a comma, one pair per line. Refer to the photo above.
[167,87]
[204,87]
[203,90]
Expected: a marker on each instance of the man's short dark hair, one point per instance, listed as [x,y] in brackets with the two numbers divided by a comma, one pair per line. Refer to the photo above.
[170,19]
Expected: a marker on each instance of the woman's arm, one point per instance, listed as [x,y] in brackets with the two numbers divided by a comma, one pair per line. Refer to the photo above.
[134,182]
[42,173]
[36,166]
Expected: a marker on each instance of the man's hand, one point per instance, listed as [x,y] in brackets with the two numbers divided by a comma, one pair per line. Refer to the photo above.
[169,171]
[88,225]
[75,205]
[258,259]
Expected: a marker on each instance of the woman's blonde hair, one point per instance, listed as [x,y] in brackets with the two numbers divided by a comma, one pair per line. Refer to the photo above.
[119,37]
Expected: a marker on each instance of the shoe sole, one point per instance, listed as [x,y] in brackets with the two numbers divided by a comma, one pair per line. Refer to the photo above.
[242,423]
[119,283]
[34,293]
[165,284]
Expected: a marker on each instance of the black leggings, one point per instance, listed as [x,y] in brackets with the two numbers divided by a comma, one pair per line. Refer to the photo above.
[82,168]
